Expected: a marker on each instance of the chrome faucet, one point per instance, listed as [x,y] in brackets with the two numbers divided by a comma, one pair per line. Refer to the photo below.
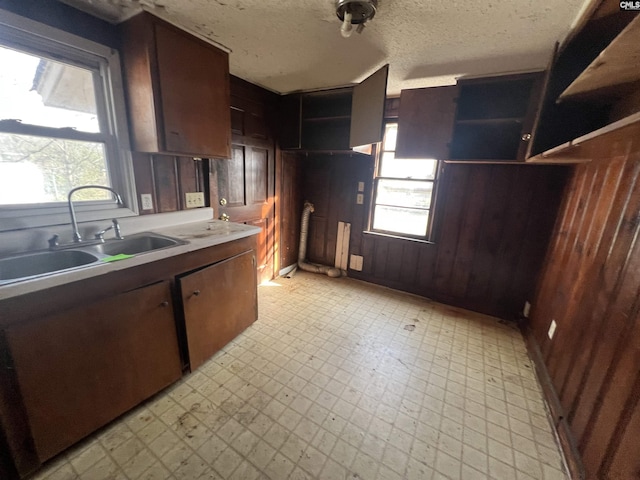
[116,230]
[77,238]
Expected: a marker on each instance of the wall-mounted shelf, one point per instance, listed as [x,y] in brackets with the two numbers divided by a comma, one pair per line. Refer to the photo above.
[495,119]
[612,72]
[616,135]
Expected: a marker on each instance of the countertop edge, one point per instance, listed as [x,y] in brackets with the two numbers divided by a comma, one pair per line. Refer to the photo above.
[199,235]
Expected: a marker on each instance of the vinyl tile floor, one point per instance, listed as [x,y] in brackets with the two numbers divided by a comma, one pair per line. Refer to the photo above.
[339,379]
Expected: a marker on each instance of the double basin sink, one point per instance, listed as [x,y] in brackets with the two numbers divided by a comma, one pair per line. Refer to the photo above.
[29,265]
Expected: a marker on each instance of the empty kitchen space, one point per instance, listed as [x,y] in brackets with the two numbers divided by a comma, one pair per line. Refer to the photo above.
[340,379]
[352,240]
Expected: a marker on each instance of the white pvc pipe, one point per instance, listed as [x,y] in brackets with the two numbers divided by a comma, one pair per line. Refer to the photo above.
[302,250]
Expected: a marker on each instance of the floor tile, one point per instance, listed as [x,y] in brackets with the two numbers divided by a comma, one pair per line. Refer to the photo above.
[339,379]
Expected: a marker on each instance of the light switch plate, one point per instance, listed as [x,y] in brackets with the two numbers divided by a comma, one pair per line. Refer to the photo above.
[360,199]
[194,199]
[526,309]
[361,186]
[146,199]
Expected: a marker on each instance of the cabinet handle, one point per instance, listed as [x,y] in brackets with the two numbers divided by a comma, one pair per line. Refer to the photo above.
[526,137]
[196,293]
[164,304]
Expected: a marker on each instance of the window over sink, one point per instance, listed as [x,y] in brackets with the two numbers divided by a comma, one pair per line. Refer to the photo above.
[62,125]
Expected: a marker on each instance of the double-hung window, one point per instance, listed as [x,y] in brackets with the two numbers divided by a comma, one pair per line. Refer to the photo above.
[61,126]
[404,191]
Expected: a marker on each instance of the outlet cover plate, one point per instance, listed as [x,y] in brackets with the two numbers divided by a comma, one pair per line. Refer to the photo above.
[146,199]
[194,199]
[355,262]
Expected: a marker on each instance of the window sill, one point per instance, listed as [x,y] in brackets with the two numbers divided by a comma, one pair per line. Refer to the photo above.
[398,237]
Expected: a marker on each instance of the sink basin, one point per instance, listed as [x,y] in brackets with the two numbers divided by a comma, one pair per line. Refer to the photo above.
[34,264]
[136,244]
[21,267]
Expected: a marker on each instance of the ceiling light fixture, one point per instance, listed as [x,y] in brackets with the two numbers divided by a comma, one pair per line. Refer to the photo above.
[355,12]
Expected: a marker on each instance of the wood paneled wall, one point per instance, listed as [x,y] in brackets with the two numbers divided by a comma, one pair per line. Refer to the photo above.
[167,179]
[291,202]
[591,288]
[492,226]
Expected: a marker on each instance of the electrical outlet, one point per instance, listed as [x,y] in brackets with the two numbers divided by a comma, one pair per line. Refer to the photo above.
[146,199]
[552,330]
[194,199]
[355,262]
[526,309]
[361,186]
[360,199]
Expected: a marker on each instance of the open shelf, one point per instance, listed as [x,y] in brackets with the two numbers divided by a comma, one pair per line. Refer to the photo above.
[584,148]
[492,141]
[488,121]
[612,70]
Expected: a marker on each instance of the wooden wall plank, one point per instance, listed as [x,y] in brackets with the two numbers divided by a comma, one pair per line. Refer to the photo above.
[166,183]
[485,229]
[591,287]
[143,172]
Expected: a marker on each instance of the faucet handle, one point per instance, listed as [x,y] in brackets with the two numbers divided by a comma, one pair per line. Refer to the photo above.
[100,234]
[116,229]
[53,241]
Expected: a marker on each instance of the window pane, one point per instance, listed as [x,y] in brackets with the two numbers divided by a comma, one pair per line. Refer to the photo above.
[40,169]
[400,220]
[390,135]
[402,193]
[407,168]
[44,92]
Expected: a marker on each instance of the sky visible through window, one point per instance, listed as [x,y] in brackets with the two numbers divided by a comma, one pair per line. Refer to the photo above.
[42,92]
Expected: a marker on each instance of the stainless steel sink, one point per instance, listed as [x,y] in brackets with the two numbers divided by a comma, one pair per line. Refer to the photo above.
[28,265]
[136,244]
[34,264]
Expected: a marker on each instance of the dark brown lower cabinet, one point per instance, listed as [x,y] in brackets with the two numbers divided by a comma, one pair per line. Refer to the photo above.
[79,369]
[219,302]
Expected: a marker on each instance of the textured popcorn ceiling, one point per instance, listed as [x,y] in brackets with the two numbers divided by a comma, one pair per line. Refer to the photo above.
[289,45]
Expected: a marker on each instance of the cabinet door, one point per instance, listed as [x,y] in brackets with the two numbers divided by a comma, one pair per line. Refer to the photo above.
[219,302]
[82,368]
[425,122]
[194,90]
[367,109]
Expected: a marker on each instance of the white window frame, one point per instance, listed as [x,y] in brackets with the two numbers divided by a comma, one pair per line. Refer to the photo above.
[42,39]
[428,235]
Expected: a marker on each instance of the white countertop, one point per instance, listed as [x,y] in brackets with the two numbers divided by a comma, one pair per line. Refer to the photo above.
[200,234]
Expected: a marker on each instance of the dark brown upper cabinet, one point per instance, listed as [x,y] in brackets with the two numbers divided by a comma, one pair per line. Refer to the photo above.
[425,122]
[177,90]
[337,119]
[495,118]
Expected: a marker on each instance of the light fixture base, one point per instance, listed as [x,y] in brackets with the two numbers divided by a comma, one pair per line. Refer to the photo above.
[361,10]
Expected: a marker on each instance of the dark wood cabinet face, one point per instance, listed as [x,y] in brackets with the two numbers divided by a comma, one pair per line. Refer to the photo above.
[425,122]
[69,366]
[177,88]
[194,90]
[219,302]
